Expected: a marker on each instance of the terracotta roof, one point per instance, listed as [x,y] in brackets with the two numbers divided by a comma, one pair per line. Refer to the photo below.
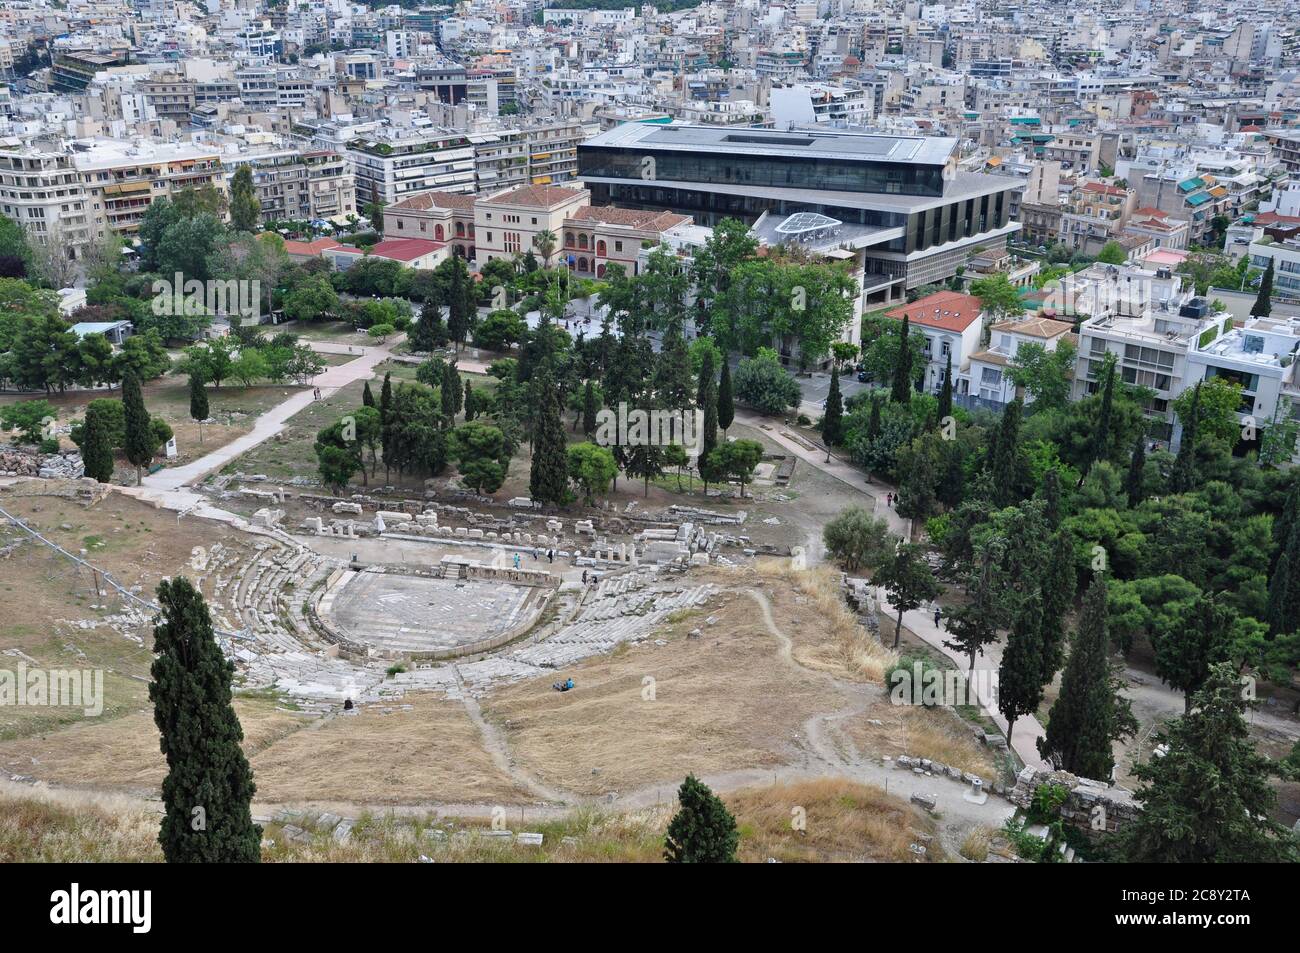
[309,249]
[540,196]
[1272,218]
[1034,327]
[945,310]
[1148,212]
[648,219]
[401,249]
[427,200]
[1103,188]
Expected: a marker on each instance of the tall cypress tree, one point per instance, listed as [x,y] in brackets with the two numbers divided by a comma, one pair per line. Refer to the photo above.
[726,401]
[548,480]
[833,419]
[97,445]
[1099,442]
[209,786]
[1208,800]
[590,408]
[1089,714]
[367,398]
[1020,673]
[1135,479]
[873,422]
[1182,476]
[386,421]
[451,392]
[901,390]
[199,411]
[1004,456]
[1283,611]
[945,392]
[974,624]
[139,438]
[1059,581]
[1263,305]
[706,397]
[460,303]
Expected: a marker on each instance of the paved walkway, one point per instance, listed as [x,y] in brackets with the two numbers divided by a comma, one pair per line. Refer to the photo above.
[273,421]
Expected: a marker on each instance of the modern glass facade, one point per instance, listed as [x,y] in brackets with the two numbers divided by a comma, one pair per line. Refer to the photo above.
[775,171]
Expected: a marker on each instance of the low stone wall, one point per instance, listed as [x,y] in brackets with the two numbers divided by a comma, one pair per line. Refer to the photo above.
[1091,806]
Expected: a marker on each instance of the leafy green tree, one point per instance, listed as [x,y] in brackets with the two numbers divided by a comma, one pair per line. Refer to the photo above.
[250,366]
[702,831]
[311,299]
[1020,673]
[500,330]
[1045,375]
[139,443]
[1215,403]
[762,383]
[906,576]
[1112,253]
[208,792]
[97,445]
[856,540]
[29,418]
[591,468]
[95,359]
[481,456]
[1089,715]
[998,296]
[736,459]
[338,455]
[245,208]
[1208,800]
[199,411]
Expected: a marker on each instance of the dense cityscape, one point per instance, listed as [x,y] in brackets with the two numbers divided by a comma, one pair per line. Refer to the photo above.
[765,431]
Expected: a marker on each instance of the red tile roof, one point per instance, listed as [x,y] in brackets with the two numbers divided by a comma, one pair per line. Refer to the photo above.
[945,310]
[540,196]
[309,249]
[400,249]
[428,200]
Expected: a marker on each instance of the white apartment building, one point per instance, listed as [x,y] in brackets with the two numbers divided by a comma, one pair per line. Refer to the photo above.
[406,163]
[42,192]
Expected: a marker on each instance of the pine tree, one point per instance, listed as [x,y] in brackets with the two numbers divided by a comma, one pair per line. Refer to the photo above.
[975,623]
[726,401]
[672,378]
[945,392]
[139,443]
[1208,800]
[367,398]
[1020,673]
[1263,305]
[199,411]
[833,419]
[429,331]
[901,390]
[1089,714]
[97,445]
[548,480]
[702,831]
[209,785]
[1182,477]
[1134,481]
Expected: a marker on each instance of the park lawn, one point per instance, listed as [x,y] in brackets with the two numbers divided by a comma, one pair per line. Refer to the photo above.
[292,453]
[339,332]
